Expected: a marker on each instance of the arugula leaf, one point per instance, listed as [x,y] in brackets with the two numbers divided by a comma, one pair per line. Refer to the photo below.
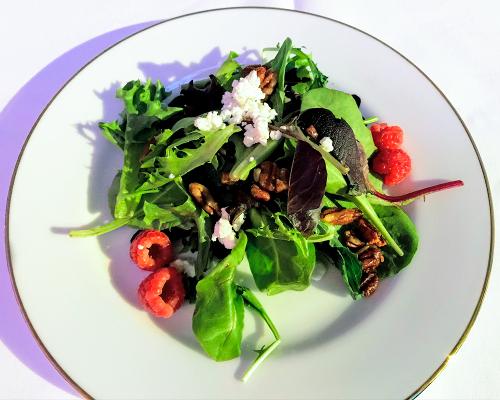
[307,71]
[227,71]
[143,106]
[218,315]
[280,257]
[343,106]
[278,65]
[113,132]
[404,232]
[193,150]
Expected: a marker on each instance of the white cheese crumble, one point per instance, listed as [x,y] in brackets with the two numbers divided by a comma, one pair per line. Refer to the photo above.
[275,135]
[245,102]
[223,231]
[212,121]
[184,266]
[326,144]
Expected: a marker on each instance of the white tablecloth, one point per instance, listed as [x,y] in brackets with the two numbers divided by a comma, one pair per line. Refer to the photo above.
[455,42]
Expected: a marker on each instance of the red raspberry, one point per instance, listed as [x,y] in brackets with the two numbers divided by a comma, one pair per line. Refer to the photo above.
[393,164]
[387,137]
[151,250]
[162,292]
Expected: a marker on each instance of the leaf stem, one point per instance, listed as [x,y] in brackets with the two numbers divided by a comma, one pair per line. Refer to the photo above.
[260,359]
[99,230]
[370,120]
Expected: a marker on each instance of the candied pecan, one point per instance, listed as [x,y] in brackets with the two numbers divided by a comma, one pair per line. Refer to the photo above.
[312,132]
[267,176]
[271,178]
[203,197]
[337,216]
[370,258]
[226,179]
[352,241]
[369,283]
[268,78]
[369,234]
[259,194]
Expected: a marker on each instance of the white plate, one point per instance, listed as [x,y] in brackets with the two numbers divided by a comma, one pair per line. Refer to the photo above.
[79,294]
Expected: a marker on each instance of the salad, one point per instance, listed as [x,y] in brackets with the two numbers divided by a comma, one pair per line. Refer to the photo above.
[260,161]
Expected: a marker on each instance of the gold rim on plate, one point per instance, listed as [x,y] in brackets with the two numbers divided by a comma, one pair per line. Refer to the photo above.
[464,335]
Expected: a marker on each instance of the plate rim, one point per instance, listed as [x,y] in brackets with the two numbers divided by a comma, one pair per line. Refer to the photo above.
[38,340]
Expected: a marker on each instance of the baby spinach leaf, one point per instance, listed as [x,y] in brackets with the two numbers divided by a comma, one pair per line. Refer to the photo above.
[280,257]
[218,315]
[349,266]
[307,188]
[404,233]
[343,106]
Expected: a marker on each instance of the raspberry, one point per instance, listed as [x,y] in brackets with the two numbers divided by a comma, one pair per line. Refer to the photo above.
[162,292]
[151,250]
[393,164]
[387,137]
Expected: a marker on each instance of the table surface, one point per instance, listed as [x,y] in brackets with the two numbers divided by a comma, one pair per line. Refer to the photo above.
[454,42]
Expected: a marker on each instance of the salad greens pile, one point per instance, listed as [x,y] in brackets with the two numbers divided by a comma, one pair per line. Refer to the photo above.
[164,152]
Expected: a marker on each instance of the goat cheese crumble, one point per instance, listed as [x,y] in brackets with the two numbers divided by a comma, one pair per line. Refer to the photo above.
[326,144]
[224,232]
[275,135]
[212,121]
[244,103]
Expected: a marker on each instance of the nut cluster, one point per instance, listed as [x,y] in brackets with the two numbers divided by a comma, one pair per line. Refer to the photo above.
[268,78]
[203,197]
[362,238]
[269,178]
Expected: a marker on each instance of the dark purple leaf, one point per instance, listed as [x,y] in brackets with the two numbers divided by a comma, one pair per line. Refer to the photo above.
[306,188]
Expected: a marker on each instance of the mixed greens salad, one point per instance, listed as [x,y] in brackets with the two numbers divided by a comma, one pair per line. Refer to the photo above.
[259,161]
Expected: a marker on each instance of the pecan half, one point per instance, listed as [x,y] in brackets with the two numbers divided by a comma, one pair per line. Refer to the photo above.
[369,283]
[268,78]
[369,234]
[312,132]
[259,194]
[370,258]
[337,216]
[352,241]
[226,179]
[271,178]
[203,197]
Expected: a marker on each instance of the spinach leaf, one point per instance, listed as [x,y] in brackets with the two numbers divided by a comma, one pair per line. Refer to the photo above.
[280,257]
[307,188]
[404,232]
[306,71]
[350,268]
[342,105]
[278,65]
[218,315]
[227,71]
